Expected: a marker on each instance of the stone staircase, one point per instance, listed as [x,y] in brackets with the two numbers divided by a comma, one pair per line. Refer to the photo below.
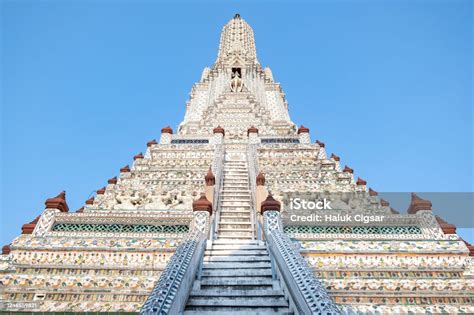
[236,273]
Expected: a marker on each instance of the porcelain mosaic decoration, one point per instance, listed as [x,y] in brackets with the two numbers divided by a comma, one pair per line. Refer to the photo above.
[196,223]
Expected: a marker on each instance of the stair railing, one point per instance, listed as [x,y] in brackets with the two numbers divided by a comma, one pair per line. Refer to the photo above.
[171,291]
[306,293]
[253,170]
[217,169]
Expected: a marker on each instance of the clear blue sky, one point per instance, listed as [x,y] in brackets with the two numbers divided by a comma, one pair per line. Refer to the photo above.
[387,85]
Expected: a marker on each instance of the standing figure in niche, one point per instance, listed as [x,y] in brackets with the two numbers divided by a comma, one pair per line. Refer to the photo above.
[236,83]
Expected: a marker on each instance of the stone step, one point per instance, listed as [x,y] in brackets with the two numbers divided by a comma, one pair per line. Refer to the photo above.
[236,191]
[237,236]
[236,311]
[242,293]
[236,213]
[235,208]
[235,181]
[230,187]
[236,252]
[241,192]
[241,265]
[231,235]
[226,198]
[235,203]
[236,302]
[236,259]
[251,242]
[237,281]
[232,226]
[236,246]
[228,176]
[247,229]
[234,219]
[236,273]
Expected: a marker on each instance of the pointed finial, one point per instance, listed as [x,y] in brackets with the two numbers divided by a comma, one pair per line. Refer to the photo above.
[347,169]
[210,178]
[447,228]
[260,179]
[58,202]
[237,16]
[418,204]
[202,204]
[270,204]
[335,157]
[6,249]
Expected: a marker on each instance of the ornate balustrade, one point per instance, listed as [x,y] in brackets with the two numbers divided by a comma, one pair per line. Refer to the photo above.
[307,295]
[217,166]
[253,170]
[171,291]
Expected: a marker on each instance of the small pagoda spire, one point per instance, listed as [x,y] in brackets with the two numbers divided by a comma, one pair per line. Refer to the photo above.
[373,193]
[321,144]
[202,204]
[384,203]
[361,182]
[447,228]
[260,179]
[252,129]
[101,191]
[28,228]
[167,129]
[219,129]
[125,169]
[303,129]
[210,178]
[151,142]
[58,202]
[335,157]
[112,180]
[6,249]
[90,201]
[469,247]
[347,169]
[418,204]
[139,156]
[270,204]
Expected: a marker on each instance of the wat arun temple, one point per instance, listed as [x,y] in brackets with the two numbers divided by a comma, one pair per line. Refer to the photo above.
[199,223]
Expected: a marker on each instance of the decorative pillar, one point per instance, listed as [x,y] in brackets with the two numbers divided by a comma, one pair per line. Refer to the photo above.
[261,191]
[219,134]
[418,204]
[336,160]
[166,134]
[209,187]
[322,151]
[252,134]
[303,133]
[6,250]
[202,210]
[149,146]
[270,210]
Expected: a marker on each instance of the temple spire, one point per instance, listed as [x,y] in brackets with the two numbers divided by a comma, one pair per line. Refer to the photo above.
[237,40]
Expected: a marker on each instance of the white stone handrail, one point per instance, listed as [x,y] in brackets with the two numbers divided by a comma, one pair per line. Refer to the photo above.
[217,167]
[253,170]
[307,294]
